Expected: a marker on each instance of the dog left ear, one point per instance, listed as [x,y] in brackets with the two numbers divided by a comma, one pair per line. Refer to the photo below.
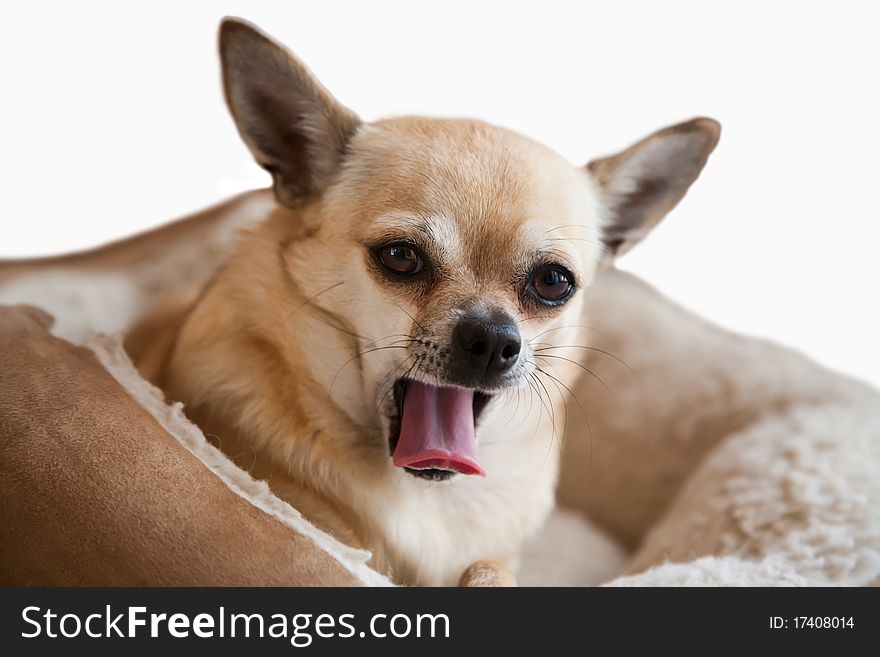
[641,184]
[293,126]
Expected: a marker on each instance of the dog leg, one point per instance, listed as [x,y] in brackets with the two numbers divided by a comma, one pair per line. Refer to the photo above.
[487,573]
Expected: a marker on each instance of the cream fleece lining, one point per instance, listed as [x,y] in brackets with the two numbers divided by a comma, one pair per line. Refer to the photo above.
[112,356]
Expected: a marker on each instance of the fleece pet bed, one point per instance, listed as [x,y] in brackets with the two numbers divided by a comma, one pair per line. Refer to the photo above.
[694,456]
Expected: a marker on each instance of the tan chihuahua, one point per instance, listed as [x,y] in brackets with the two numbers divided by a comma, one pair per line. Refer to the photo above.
[380,347]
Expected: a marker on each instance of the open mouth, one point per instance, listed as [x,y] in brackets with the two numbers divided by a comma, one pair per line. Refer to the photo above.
[433,433]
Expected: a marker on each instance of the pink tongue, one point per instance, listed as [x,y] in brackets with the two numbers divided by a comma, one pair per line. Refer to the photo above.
[437,430]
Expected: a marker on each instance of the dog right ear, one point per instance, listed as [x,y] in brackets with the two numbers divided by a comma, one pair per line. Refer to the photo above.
[293,126]
[641,184]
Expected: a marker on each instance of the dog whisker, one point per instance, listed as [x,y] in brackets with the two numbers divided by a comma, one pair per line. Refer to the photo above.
[359,356]
[415,321]
[552,437]
[534,389]
[580,226]
[580,346]
[583,413]
[393,379]
[563,327]
[601,245]
[561,439]
[584,368]
[313,297]
[550,407]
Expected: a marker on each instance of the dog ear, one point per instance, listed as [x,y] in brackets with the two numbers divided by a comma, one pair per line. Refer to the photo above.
[293,126]
[641,184]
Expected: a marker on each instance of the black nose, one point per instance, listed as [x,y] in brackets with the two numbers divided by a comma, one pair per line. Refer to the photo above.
[487,344]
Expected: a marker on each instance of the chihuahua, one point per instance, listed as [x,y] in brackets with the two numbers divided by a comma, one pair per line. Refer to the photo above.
[379,347]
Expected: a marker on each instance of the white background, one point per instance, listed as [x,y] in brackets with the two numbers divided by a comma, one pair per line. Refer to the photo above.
[113,122]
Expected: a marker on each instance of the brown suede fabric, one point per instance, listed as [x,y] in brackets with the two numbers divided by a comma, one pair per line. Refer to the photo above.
[94,492]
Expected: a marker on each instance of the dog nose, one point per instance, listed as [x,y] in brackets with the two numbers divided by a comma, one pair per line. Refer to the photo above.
[488,345]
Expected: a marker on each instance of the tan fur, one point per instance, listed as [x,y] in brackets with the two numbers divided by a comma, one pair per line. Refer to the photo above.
[487,574]
[277,360]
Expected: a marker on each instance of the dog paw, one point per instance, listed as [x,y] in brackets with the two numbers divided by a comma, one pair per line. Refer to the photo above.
[487,573]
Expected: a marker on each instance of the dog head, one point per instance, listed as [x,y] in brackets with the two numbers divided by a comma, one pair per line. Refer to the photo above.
[437,252]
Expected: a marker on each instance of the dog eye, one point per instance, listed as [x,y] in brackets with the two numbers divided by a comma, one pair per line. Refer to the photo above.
[401,259]
[552,284]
